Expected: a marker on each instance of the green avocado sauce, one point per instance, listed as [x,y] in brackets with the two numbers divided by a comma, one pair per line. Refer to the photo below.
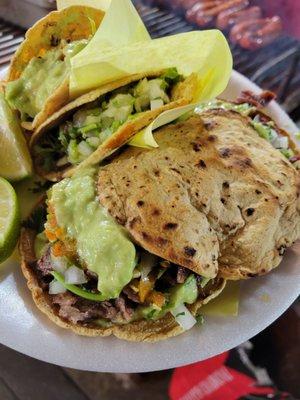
[102,244]
[40,78]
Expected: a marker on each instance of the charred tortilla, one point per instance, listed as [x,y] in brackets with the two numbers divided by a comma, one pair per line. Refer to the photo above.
[214,197]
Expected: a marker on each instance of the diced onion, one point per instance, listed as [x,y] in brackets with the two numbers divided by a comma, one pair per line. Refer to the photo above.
[93,141]
[183,317]
[154,104]
[282,142]
[75,276]
[147,262]
[84,149]
[56,287]
[273,136]
[59,264]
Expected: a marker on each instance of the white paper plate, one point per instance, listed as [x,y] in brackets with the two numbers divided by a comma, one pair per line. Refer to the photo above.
[24,328]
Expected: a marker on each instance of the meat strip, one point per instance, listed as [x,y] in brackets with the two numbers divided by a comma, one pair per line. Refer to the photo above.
[124,309]
[77,310]
[44,264]
[257,100]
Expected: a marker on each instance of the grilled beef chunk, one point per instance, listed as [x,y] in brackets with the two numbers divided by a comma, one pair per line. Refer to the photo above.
[257,100]
[122,306]
[75,309]
[131,294]
[44,263]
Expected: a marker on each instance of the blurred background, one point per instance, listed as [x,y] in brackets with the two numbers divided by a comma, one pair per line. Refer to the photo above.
[264,37]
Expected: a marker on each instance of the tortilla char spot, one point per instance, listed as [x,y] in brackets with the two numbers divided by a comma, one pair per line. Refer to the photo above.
[156,212]
[54,41]
[243,163]
[210,125]
[156,172]
[225,152]
[250,211]
[161,241]
[212,138]
[189,251]
[140,203]
[196,146]
[257,191]
[201,164]
[170,226]
[223,201]
[225,185]
[146,236]
[175,170]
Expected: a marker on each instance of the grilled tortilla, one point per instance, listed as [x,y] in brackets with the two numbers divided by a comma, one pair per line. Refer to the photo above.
[46,137]
[213,190]
[69,25]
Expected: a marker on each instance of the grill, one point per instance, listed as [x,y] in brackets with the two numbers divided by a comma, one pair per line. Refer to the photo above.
[275,67]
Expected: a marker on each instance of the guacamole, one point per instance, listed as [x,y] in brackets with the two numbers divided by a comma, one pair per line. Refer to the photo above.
[102,244]
[40,79]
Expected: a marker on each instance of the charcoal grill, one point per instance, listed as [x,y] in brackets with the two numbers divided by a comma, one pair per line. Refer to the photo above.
[275,67]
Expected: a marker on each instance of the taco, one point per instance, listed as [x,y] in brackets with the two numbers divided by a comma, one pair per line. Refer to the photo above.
[38,77]
[90,128]
[143,297]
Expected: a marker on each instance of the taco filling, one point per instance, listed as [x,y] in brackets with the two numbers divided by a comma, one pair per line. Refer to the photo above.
[94,274]
[41,77]
[82,133]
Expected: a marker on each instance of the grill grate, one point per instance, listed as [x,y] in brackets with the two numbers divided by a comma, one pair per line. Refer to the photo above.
[275,67]
[10,38]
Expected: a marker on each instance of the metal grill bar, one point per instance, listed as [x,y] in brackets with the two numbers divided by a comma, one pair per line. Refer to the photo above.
[10,38]
[275,67]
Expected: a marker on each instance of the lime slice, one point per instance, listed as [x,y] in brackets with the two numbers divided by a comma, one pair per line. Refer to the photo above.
[9,219]
[15,161]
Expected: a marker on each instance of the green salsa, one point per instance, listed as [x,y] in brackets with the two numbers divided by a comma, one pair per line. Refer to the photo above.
[101,243]
[40,79]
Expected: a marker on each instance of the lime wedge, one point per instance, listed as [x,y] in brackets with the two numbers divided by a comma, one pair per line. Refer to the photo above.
[9,219]
[15,161]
